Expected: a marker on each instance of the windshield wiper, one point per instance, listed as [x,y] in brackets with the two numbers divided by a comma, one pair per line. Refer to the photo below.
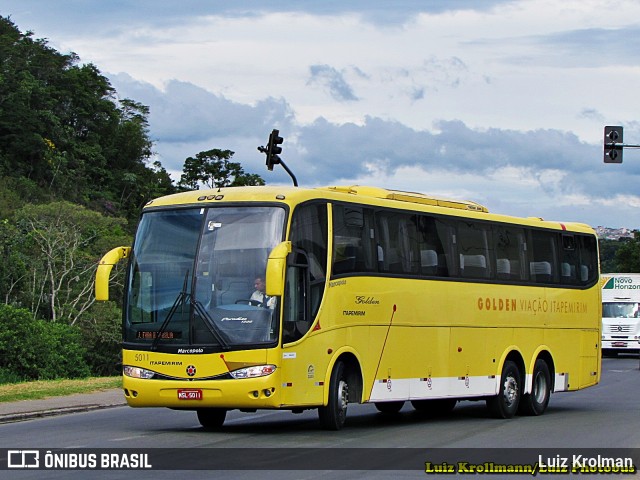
[209,323]
[180,300]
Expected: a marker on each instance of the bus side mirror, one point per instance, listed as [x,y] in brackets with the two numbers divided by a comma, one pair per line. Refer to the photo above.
[276,265]
[104,270]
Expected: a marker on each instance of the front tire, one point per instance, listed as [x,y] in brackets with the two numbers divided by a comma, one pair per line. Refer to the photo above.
[334,415]
[505,404]
[535,403]
[211,418]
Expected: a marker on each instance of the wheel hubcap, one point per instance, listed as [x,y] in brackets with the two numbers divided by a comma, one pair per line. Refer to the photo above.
[510,390]
[343,396]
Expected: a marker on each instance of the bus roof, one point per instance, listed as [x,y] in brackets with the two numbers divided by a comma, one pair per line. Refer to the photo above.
[374,196]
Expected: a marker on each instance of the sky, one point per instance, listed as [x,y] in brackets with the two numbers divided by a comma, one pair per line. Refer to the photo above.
[502,102]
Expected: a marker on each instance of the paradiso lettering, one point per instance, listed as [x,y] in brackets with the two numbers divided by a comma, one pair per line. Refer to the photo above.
[534,306]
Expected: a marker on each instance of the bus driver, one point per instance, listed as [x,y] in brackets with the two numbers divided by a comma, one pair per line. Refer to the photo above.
[260,296]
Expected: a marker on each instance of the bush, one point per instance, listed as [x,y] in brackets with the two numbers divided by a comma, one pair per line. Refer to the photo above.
[102,332]
[38,350]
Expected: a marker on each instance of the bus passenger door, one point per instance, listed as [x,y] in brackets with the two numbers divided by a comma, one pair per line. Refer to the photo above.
[301,376]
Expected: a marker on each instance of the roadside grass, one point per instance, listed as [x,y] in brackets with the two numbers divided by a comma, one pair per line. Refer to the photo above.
[35,390]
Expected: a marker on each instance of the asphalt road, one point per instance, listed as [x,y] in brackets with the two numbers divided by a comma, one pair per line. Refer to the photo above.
[603,417]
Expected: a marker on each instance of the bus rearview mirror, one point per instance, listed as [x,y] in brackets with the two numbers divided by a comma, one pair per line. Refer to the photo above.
[276,265]
[104,270]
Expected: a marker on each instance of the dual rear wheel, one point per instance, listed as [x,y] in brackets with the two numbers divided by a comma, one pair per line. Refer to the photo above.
[510,399]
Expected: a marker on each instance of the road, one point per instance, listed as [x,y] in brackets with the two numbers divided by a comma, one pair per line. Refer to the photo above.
[602,417]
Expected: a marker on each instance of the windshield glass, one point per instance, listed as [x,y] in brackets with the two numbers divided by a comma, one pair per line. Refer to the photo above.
[197,278]
[620,310]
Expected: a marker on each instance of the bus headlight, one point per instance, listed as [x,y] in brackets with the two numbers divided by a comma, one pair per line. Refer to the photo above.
[253,372]
[137,372]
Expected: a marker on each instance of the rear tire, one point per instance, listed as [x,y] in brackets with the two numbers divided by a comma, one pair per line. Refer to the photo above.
[389,408]
[334,415]
[505,404]
[535,403]
[211,418]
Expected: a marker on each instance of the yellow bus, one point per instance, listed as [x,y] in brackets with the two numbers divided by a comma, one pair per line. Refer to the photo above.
[372,296]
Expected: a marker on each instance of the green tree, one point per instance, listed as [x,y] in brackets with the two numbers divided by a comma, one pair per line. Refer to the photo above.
[214,169]
[63,243]
[63,128]
[608,249]
[628,255]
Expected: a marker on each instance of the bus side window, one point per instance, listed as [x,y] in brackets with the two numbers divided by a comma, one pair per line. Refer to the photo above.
[509,248]
[354,249]
[434,238]
[397,242]
[588,263]
[543,263]
[473,250]
[570,262]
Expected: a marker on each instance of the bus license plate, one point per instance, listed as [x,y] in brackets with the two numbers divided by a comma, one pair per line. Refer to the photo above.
[189,394]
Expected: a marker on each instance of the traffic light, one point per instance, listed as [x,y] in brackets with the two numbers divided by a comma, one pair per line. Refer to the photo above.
[613,144]
[274,149]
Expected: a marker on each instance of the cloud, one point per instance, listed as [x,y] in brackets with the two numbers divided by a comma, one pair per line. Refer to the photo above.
[333,81]
[184,112]
[594,46]
[573,48]
[88,16]
[186,119]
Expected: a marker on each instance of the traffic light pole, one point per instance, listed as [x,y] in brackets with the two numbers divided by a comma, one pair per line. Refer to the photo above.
[284,165]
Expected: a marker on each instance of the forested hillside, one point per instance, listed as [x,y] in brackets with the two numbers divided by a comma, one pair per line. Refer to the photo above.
[75,170]
[66,135]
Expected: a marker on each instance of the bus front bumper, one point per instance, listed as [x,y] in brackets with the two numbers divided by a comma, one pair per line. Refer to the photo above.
[246,393]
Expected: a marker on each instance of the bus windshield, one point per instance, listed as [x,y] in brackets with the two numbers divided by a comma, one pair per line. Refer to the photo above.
[196,278]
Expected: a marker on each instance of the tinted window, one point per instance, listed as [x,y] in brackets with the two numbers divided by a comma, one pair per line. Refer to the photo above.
[473,250]
[309,235]
[354,248]
[542,248]
[434,246]
[397,243]
[509,247]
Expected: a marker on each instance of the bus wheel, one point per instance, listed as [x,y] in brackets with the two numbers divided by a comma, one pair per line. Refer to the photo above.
[211,418]
[505,404]
[389,407]
[535,403]
[334,415]
[437,406]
